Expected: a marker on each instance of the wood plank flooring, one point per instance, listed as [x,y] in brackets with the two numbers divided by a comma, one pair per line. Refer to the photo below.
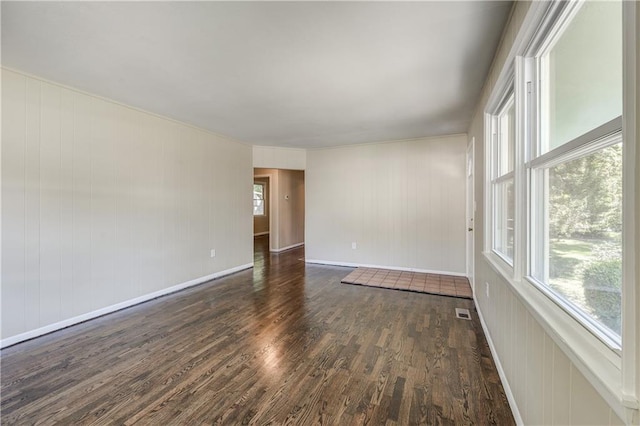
[283,343]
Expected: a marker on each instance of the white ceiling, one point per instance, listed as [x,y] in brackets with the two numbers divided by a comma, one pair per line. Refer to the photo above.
[296,74]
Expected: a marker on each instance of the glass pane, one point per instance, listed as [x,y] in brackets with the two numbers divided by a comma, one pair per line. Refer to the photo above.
[506,138]
[584,85]
[258,191]
[585,234]
[258,207]
[504,218]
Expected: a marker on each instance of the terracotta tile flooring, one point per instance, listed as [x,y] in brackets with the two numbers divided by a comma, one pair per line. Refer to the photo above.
[446,285]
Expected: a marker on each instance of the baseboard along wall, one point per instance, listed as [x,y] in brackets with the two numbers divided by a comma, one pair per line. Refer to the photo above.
[9,341]
[393,268]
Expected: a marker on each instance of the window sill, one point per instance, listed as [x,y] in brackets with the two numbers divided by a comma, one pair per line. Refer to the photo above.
[600,364]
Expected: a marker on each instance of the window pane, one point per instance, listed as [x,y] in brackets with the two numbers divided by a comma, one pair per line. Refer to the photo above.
[585,234]
[258,191]
[504,218]
[584,85]
[258,199]
[258,207]
[506,138]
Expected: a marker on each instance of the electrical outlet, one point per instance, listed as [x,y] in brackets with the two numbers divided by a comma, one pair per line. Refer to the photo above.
[213,253]
[486,285]
[354,245]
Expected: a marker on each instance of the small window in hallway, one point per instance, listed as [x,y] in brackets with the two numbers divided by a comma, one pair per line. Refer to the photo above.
[258,199]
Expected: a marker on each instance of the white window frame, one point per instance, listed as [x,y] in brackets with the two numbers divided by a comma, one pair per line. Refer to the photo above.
[537,169]
[540,160]
[496,159]
[615,374]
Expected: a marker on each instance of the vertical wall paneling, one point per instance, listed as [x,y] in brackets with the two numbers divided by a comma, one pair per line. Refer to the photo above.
[560,387]
[290,207]
[50,204]
[402,203]
[547,378]
[66,200]
[14,202]
[103,205]
[32,203]
[81,211]
[533,391]
[124,257]
[596,412]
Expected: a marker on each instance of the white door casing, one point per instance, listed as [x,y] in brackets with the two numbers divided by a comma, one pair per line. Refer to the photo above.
[470,210]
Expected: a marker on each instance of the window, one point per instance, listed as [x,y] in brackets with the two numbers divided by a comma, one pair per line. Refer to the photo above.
[258,199]
[575,168]
[502,179]
[569,174]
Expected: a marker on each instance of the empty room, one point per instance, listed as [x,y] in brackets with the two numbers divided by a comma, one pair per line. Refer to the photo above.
[335,212]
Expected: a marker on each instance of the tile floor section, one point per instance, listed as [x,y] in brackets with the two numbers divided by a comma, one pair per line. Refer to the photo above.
[446,285]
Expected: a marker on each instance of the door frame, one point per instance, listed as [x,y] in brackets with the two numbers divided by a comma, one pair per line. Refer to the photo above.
[470,209]
[269,201]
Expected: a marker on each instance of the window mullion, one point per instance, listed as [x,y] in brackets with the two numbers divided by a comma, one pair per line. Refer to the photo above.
[596,139]
[631,132]
[503,178]
[521,99]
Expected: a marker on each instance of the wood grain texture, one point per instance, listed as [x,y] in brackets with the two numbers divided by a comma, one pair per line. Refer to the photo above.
[284,343]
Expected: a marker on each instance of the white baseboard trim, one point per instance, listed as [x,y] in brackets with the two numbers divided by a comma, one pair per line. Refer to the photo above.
[260,234]
[393,268]
[117,307]
[496,360]
[286,248]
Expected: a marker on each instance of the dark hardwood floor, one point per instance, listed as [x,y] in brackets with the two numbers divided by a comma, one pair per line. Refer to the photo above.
[284,343]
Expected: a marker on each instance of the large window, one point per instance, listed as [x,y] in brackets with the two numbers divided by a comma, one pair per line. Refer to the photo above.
[575,167]
[502,179]
[561,137]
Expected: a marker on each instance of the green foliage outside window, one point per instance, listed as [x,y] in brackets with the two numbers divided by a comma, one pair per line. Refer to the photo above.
[585,233]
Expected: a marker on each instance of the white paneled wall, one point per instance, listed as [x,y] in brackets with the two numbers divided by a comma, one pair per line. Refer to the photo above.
[103,204]
[273,157]
[546,387]
[290,208]
[402,203]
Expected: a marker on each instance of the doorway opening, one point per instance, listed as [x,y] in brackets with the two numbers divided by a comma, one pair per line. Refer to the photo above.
[278,209]
[260,206]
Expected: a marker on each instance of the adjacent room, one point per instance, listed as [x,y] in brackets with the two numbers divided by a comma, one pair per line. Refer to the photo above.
[336,212]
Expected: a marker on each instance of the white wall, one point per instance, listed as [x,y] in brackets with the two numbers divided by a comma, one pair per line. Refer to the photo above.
[102,204]
[403,203]
[546,386]
[279,158]
[290,202]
